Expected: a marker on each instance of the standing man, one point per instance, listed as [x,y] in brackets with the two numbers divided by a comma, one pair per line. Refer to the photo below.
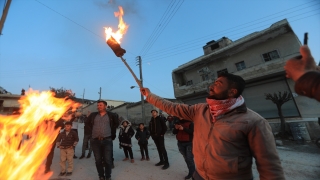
[87,136]
[227,135]
[103,125]
[158,128]
[184,135]
[75,123]
[58,124]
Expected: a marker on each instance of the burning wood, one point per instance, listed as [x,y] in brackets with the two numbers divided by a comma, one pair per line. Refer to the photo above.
[113,40]
[115,46]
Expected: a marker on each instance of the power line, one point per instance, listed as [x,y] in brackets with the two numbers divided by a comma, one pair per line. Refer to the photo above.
[76,23]
[161,26]
[224,31]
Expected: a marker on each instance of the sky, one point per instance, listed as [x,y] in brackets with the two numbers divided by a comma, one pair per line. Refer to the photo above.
[61,43]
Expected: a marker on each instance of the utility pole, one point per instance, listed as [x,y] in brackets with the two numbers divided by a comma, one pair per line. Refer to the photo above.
[139,60]
[99,93]
[83,96]
[4,15]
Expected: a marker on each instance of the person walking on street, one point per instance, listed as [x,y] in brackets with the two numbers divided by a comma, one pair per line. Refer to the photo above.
[65,142]
[103,125]
[125,134]
[227,134]
[75,123]
[184,135]
[86,138]
[157,130]
[143,135]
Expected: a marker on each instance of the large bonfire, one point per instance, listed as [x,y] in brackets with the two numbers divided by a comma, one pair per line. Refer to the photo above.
[26,138]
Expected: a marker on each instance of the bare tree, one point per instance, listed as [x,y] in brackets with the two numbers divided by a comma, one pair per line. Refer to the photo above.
[62,92]
[279,99]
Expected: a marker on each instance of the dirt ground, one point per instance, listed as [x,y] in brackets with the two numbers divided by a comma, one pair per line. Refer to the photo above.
[299,161]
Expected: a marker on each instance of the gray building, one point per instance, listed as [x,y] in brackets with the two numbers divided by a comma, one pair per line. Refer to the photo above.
[259,58]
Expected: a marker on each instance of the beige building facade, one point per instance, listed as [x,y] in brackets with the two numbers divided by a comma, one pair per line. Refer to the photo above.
[259,58]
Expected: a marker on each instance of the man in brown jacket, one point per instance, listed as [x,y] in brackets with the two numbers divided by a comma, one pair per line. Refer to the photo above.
[227,135]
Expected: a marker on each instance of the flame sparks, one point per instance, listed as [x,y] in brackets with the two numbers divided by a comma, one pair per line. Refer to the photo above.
[123,27]
[21,157]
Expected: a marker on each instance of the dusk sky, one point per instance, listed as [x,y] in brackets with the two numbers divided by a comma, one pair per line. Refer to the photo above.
[61,43]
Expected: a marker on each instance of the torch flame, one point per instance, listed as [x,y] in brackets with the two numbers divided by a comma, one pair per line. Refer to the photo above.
[21,157]
[123,27]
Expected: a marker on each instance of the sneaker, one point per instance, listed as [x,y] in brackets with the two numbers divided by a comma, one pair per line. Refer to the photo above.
[125,159]
[166,166]
[160,163]
[89,155]
[82,156]
[148,159]
[101,178]
[75,157]
[69,174]
[62,173]
[132,160]
[142,159]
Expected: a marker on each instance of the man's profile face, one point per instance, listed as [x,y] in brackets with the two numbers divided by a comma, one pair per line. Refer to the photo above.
[101,106]
[219,90]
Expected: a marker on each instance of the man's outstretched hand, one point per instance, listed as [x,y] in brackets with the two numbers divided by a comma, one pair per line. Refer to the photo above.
[295,68]
[145,91]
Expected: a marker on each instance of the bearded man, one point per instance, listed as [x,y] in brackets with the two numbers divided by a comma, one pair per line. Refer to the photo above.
[227,134]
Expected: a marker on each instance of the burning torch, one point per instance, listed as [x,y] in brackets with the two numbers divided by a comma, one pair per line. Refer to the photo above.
[114,44]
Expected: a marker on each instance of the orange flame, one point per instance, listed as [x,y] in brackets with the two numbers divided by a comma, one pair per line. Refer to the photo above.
[21,157]
[123,27]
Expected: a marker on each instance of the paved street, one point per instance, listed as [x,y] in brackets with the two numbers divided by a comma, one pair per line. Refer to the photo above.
[300,162]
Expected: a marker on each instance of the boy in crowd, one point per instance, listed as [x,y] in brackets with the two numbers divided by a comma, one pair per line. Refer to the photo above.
[125,134]
[66,141]
[142,135]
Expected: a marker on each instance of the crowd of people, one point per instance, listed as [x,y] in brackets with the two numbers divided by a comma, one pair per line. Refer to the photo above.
[228,134]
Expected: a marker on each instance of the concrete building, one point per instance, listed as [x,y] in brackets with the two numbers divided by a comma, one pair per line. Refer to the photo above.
[259,58]
[132,111]
[9,103]
[92,105]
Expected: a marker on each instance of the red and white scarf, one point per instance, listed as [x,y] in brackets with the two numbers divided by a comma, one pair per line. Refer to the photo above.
[220,107]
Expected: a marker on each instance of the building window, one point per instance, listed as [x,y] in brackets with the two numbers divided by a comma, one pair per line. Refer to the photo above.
[270,55]
[222,71]
[189,83]
[240,65]
[205,77]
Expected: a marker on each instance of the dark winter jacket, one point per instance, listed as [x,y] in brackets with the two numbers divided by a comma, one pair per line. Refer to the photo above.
[125,134]
[309,85]
[185,135]
[114,122]
[87,129]
[157,127]
[142,136]
[69,140]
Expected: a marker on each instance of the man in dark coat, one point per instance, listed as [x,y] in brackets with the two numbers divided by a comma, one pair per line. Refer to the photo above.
[103,125]
[86,138]
[58,124]
[158,128]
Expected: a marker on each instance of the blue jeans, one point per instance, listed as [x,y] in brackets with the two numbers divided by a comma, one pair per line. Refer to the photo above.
[185,149]
[103,149]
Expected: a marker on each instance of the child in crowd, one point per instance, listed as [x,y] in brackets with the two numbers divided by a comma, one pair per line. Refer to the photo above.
[142,135]
[66,141]
[125,134]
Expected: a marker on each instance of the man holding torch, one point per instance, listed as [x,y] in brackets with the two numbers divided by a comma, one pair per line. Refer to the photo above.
[227,135]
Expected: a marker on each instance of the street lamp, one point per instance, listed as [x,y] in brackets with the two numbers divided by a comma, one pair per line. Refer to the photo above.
[142,105]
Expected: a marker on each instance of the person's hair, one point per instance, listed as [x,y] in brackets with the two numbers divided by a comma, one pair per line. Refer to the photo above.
[141,124]
[100,101]
[236,82]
